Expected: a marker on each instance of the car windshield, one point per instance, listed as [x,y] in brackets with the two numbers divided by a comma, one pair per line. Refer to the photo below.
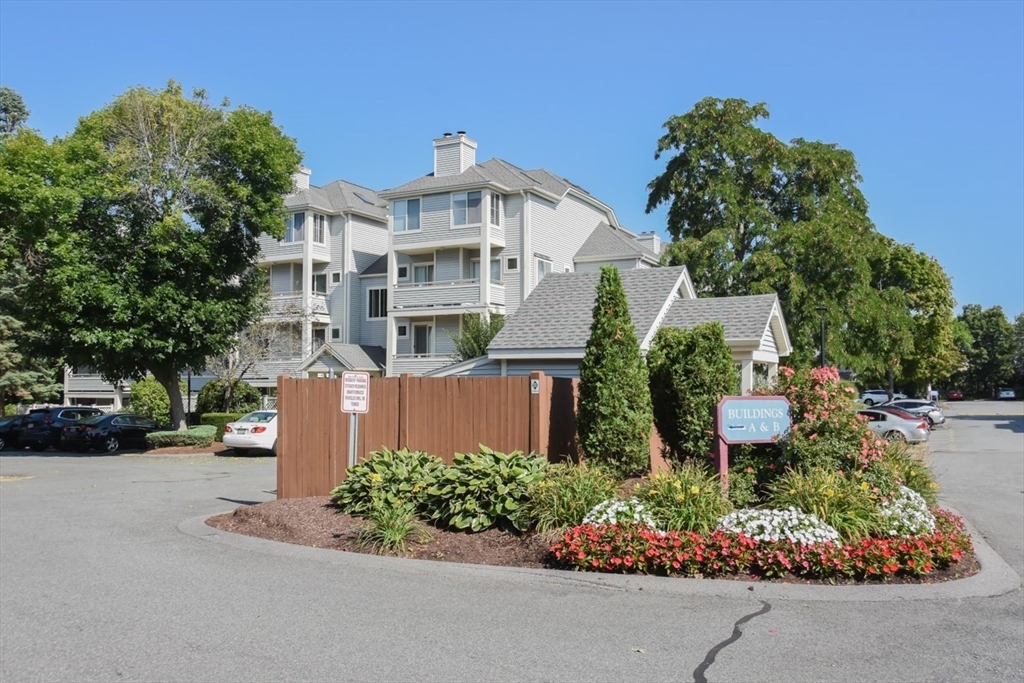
[261,416]
[91,420]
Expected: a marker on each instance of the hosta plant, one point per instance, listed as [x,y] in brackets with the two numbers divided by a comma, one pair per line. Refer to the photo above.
[566,494]
[485,489]
[388,479]
[907,514]
[779,525]
[688,498]
[615,511]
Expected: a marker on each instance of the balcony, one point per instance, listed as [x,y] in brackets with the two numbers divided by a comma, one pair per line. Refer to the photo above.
[289,305]
[456,293]
[273,251]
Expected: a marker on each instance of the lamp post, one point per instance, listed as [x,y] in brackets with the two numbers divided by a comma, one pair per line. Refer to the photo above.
[821,311]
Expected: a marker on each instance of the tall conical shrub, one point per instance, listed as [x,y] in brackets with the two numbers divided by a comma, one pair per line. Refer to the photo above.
[614,417]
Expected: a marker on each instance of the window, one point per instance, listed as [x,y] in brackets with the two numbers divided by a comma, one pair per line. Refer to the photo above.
[422,339]
[512,264]
[567,269]
[403,331]
[335,277]
[293,229]
[319,228]
[543,268]
[296,277]
[377,304]
[403,272]
[495,269]
[319,337]
[423,273]
[495,208]
[407,215]
[466,208]
[335,334]
[320,283]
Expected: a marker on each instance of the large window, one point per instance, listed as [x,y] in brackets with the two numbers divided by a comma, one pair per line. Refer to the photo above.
[294,225]
[422,339]
[466,208]
[423,272]
[407,215]
[319,228]
[495,209]
[495,269]
[376,304]
[543,268]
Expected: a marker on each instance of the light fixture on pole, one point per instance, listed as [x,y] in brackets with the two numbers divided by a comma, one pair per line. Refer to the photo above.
[821,311]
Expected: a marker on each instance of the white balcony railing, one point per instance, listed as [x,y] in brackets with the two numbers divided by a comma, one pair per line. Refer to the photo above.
[289,305]
[450,293]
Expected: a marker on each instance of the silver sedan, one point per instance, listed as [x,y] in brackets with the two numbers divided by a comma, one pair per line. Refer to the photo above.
[925,409]
[895,428]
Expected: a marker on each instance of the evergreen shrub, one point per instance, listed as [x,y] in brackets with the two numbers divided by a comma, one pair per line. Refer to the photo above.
[219,420]
[245,398]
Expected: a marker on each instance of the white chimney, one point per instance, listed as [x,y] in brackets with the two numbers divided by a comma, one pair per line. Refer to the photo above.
[453,154]
[301,178]
[650,241]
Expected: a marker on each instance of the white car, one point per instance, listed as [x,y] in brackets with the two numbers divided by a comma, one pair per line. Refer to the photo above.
[874,397]
[1007,394]
[257,430]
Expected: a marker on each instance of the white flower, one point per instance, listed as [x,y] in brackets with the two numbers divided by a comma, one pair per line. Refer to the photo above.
[907,514]
[614,511]
[774,525]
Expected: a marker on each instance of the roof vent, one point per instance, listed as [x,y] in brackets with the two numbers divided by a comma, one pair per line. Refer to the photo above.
[447,135]
[461,132]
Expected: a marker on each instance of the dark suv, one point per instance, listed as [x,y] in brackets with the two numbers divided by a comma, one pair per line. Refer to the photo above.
[44,425]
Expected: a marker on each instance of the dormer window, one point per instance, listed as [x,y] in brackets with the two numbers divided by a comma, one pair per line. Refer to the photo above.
[466,208]
[407,215]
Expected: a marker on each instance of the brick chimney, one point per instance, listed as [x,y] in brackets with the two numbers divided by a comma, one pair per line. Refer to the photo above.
[453,154]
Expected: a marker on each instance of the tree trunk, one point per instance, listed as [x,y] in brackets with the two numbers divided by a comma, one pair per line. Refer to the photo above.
[892,381]
[169,380]
[229,394]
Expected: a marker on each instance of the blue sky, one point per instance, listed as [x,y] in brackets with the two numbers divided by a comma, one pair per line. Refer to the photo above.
[928,96]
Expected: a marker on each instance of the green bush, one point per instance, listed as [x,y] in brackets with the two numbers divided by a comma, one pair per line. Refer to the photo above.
[845,503]
[688,498]
[566,493]
[198,437]
[218,420]
[690,371]
[149,398]
[389,529]
[387,479]
[245,398]
[751,467]
[614,416]
[901,466]
[485,489]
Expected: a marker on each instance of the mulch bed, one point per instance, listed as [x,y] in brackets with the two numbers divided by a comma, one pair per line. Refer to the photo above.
[217,448]
[316,522]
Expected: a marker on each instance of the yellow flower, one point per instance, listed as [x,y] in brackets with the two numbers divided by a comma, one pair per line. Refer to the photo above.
[829,493]
[680,497]
[934,485]
[678,484]
[375,477]
[864,485]
[694,489]
[911,472]
[792,491]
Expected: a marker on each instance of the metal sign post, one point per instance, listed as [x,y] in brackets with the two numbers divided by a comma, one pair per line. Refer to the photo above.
[747,419]
[355,399]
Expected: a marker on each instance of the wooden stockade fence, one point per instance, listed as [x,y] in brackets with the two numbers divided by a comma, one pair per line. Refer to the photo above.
[440,415]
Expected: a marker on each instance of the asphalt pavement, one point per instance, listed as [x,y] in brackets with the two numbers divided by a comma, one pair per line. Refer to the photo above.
[107,573]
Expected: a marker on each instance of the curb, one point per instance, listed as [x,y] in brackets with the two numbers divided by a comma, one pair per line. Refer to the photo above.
[995,578]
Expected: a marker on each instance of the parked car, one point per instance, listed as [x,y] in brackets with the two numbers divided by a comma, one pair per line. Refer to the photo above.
[873,397]
[44,426]
[10,431]
[920,407]
[109,433]
[889,425]
[954,395]
[1007,394]
[257,430]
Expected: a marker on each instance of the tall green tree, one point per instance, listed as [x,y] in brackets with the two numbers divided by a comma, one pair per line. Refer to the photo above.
[990,358]
[154,270]
[1018,350]
[475,335]
[13,112]
[614,418]
[750,214]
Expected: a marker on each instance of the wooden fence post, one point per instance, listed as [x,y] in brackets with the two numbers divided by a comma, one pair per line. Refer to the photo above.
[404,380]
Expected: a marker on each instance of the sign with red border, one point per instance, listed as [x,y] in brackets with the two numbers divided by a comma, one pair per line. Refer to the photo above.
[355,392]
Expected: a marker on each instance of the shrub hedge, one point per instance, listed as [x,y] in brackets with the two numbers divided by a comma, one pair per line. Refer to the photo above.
[218,420]
[197,437]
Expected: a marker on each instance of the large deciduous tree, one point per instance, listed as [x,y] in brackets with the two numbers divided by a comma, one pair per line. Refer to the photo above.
[614,419]
[13,112]
[153,271]
[990,357]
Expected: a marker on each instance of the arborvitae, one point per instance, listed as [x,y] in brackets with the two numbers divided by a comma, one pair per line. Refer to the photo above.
[614,417]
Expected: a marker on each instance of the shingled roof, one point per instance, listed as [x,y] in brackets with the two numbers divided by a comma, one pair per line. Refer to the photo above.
[745,318]
[558,313]
[357,357]
[606,242]
[338,197]
[496,171]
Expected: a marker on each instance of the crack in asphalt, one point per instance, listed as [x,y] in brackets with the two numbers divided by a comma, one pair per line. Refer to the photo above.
[698,673]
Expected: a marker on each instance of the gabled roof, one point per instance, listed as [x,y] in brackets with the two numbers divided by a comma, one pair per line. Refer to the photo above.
[340,196]
[493,171]
[606,242]
[558,313]
[378,267]
[745,318]
[353,356]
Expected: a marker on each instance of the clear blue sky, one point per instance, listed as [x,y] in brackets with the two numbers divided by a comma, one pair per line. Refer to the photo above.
[928,96]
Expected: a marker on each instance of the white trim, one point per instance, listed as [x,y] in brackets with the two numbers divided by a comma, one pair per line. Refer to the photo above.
[332,338]
[331,284]
[510,258]
[399,273]
[433,341]
[398,328]
[659,319]
[392,213]
[535,354]
[377,318]
[451,210]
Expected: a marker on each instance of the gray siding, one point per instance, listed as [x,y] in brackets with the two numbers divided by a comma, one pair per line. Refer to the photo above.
[369,242]
[446,265]
[552,368]
[559,231]
[621,264]
[436,223]
[371,332]
[512,217]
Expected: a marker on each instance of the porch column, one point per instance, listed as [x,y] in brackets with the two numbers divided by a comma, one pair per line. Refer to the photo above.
[391,346]
[485,248]
[746,376]
[773,371]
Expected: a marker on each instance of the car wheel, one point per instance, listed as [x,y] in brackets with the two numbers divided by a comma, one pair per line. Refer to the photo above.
[895,437]
[273,449]
[241,452]
[868,402]
[38,446]
[111,444]
[3,444]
